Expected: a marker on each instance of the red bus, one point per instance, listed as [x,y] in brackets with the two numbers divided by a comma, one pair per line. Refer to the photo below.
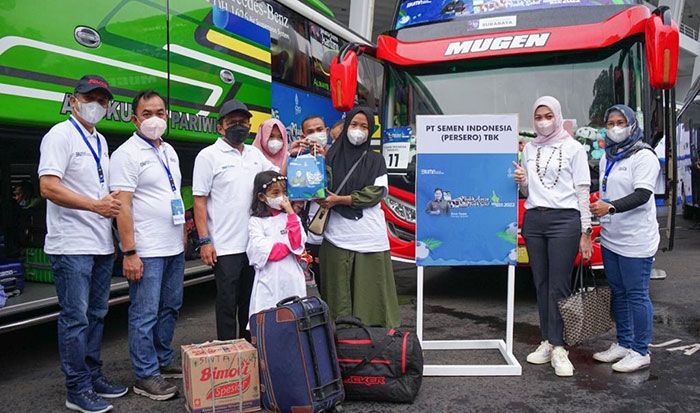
[492,56]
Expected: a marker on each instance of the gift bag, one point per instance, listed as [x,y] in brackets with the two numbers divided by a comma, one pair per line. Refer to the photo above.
[306,177]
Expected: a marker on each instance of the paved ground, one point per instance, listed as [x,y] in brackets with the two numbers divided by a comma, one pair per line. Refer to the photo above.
[460,304]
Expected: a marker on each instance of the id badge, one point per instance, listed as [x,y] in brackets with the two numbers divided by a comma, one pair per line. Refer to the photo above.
[177,208]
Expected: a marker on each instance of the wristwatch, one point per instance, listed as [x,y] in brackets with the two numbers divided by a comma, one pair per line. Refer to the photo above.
[611,210]
[588,230]
[129,253]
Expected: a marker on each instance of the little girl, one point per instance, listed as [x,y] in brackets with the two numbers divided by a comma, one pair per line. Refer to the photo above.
[276,239]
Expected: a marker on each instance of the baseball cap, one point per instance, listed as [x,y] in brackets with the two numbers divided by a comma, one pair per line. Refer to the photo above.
[233,105]
[89,83]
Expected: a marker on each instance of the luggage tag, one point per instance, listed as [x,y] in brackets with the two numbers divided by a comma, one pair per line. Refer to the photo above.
[177,208]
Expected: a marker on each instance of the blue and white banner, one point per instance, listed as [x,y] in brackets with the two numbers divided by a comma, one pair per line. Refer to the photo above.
[466,197]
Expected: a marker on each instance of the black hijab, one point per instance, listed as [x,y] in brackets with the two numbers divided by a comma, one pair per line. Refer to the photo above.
[343,155]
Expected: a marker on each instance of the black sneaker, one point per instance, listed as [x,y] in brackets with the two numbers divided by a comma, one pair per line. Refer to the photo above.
[108,390]
[171,371]
[155,388]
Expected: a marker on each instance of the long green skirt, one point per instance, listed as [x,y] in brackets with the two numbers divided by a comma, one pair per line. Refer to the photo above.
[359,284]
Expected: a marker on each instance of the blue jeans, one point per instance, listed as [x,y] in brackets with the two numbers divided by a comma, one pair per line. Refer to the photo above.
[628,279]
[155,302]
[82,285]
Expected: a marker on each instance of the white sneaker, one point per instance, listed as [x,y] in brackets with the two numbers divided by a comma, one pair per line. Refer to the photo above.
[542,355]
[560,362]
[633,361]
[614,353]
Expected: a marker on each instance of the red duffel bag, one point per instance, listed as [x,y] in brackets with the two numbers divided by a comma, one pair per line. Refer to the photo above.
[378,364]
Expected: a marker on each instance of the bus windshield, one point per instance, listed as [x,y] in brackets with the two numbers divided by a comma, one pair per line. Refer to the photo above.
[586,84]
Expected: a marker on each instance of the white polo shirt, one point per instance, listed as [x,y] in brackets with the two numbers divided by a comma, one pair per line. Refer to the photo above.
[64,154]
[634,233]
[135,168]
[574,171]
[226,176]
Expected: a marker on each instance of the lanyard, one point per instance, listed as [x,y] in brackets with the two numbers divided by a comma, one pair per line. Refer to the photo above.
[167,169]
[96,156]
[608,169]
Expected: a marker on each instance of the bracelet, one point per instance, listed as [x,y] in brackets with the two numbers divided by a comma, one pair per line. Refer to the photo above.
[204,241]
[129,253]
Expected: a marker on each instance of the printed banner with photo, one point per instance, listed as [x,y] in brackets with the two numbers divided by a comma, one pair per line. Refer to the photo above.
[466,196]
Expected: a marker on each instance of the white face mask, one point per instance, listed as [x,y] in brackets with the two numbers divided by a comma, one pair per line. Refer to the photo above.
[357,136]
[91,112]
[618,134]
[545,127]
[153,128]
[274,146]
[275,203]
[320,137]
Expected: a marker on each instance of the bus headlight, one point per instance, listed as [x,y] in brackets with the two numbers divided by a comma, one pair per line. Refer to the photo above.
[401,209]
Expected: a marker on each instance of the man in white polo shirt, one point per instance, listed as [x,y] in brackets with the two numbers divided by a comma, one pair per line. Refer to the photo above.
[223,192]
[73,177]
[146,171]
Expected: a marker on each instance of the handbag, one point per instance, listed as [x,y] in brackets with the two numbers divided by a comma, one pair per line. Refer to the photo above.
[587,313]
[320,221]
[377,363]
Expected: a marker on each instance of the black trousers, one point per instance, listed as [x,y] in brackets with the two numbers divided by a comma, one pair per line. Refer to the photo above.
[314,250]
[234,283]
[552,237]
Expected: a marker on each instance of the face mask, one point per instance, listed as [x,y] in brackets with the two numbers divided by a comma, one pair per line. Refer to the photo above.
[320,137]
[237,134]
[544,127]
[274,146]
[153,128]
[91,112]
[618,134]
[275,203]
[357,136]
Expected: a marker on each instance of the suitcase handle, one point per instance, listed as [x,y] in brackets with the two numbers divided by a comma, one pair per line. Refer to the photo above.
[292,299]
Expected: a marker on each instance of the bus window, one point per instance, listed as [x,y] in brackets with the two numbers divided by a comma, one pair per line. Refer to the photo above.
[370,74]
[290,48]
[324,47]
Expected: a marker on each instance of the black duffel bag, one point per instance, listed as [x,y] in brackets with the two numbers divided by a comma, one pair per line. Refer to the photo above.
[378,364]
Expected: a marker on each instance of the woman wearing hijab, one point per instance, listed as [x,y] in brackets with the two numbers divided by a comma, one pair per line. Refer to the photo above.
[358,277]
[629,237]
[555,179]
[272,141]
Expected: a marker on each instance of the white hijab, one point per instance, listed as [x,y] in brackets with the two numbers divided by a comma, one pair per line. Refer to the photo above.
[559,134]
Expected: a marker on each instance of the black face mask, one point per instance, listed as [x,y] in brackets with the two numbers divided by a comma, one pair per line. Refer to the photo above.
[237,134]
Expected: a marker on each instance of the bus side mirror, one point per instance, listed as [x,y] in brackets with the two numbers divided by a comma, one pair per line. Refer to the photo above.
[663,49]
[344,80]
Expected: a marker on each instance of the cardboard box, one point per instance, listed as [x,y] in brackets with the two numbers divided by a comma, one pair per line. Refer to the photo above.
[221,374]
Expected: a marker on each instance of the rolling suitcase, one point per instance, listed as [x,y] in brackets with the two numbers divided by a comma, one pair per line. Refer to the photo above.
[12,278]
[299,371]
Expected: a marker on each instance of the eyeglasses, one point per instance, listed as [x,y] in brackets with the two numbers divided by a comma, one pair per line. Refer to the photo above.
[621,123]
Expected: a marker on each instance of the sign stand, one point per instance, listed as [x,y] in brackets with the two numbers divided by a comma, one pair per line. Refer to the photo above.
[512,366]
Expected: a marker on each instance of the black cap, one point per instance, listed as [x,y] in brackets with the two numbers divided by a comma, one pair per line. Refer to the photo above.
[231,106]
[89,83]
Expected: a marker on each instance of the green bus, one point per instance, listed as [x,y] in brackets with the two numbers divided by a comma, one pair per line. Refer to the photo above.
[274,55]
